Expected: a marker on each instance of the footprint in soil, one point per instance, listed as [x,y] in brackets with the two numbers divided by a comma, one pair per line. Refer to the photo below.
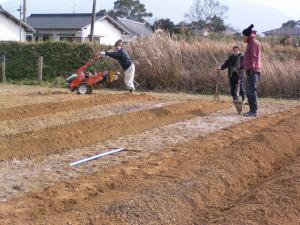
[68,204]
[16,188]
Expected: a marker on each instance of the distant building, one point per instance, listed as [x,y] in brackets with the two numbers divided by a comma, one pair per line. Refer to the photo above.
[76,28]
[11,29]
[230,31]
[284,31]
[200,31]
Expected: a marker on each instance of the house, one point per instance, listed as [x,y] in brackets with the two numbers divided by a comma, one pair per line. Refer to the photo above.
[231,31]
[76,28]
[284,31]
[193,29]
[200,31]
[11,29]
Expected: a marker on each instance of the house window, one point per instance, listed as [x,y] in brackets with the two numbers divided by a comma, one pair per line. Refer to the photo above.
[45,38]
[67,39]
[96,38]
[71,39]
[29,38]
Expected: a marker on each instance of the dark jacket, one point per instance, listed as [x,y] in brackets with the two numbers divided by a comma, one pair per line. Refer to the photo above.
[252,60]
[122,56]
[232,62]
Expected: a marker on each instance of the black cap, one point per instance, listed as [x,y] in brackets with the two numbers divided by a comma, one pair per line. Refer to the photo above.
[248,31]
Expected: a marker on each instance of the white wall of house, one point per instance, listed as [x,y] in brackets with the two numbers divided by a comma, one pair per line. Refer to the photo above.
[107,32]
[10,30]
[56,35]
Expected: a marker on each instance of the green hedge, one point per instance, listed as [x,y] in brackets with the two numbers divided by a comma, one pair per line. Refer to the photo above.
[60,58]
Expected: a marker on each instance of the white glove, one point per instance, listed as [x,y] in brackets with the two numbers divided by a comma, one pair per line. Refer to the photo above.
[102,54]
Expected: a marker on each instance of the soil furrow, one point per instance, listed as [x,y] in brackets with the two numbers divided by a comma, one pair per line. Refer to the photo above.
[36,123]
[188,183]
[26,111]
[35,174]
[276,201]
[88,132]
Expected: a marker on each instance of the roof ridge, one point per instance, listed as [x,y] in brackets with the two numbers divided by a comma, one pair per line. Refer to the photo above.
[131,20]
[65,14]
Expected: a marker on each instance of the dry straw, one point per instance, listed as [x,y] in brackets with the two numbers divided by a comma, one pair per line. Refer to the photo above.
[164,63]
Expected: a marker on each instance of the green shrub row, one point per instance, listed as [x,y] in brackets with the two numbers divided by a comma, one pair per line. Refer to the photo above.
[60,58]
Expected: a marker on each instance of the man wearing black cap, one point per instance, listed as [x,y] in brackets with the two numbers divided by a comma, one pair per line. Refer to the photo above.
[235,74]
[252,67]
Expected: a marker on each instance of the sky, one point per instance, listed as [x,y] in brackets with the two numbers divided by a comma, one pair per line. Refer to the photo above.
[264,14]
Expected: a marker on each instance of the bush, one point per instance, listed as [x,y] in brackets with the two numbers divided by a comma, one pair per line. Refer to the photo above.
[60,58]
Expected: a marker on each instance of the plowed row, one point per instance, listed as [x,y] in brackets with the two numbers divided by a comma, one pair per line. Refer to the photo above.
[88,132]
[188,161]
[200,182]
[21,112]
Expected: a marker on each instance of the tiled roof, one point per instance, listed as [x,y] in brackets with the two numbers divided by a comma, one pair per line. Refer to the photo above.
[61,21]
[134,27]
[77,21]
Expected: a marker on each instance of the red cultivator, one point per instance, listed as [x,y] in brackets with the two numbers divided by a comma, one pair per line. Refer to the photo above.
[83,81]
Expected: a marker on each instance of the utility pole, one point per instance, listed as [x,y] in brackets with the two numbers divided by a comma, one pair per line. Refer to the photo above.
[93,21]
[24,10]
[74,6]
[20,22]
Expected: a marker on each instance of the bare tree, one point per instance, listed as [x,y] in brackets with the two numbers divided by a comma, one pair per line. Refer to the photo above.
[203,11]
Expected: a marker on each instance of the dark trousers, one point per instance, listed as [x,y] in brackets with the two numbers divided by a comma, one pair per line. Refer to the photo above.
[251,90]
[234,79]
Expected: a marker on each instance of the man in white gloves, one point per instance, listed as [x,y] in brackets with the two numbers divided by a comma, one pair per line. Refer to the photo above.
[126,63]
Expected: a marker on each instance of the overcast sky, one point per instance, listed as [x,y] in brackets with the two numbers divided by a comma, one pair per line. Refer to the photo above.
[264,14]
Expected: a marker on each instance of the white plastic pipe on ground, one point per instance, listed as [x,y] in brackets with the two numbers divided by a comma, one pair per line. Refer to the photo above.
[97,156]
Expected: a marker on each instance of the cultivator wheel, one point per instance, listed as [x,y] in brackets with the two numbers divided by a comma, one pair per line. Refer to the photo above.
[85,89]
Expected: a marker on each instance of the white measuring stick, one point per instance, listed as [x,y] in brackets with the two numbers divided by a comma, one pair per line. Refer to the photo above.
[97,156]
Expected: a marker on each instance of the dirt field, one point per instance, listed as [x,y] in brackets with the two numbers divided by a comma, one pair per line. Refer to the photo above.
[188,159]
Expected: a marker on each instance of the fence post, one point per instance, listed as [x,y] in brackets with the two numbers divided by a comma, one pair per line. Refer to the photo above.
[3,75]
[40,68]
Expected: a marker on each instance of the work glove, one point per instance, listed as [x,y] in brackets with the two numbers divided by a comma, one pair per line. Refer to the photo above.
[102,54]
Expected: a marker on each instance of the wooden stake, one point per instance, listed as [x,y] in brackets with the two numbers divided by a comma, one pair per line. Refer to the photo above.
[3,75]
[40,68]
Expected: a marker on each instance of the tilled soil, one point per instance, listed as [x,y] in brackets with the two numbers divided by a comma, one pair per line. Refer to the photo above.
[189,160]
[88,132]
[25,111]
[36,123]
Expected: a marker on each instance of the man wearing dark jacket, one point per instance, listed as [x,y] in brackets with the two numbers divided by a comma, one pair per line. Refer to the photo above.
[252,66]
[235,73]
[125,62]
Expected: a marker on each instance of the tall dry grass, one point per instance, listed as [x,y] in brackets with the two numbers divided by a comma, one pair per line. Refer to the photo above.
[167,64]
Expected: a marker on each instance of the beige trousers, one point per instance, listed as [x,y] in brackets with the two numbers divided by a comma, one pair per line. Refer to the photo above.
[129,77]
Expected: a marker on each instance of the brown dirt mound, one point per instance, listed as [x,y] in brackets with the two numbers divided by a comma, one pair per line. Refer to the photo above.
[275,201]
[88,132]
[190,183]
[21,112]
